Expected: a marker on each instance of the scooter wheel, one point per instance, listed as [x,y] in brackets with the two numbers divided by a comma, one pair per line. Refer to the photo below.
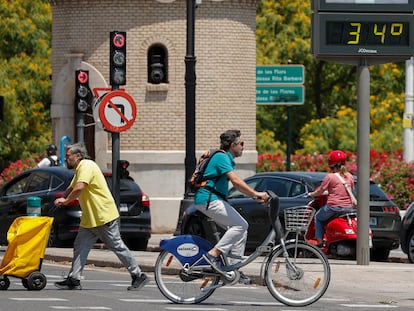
[36,281]
[4,282]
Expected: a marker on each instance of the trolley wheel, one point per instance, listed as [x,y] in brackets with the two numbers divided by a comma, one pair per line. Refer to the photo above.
[36,281]
[4,282]
[25,283]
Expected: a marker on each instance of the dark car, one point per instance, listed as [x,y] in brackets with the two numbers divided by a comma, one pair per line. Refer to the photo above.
[50,183]
[292,187]
[407,233]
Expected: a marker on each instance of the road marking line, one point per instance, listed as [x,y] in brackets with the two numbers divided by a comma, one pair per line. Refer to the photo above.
[37,299]
[79,308]
[144,300]
[256,303]
[368,306]
[196,308]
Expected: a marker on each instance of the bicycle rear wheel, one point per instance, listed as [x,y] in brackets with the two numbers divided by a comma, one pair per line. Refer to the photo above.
[302,278]
[179,286]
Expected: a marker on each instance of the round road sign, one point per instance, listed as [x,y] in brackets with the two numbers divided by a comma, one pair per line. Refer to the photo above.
[117,111]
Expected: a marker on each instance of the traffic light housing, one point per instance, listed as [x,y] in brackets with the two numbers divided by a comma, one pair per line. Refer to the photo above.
[157,64]
[156,70]
[117,58]
[83,93]
[122,168]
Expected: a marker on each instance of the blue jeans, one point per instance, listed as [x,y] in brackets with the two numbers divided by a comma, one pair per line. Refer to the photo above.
[108,234]
[326,213]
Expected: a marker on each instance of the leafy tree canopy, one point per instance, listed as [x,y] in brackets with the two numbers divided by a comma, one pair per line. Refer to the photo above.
[327,120]
[25,53]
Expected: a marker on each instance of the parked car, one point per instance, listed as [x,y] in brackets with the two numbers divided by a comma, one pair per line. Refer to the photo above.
[50,183]
[292,187]
[407,233]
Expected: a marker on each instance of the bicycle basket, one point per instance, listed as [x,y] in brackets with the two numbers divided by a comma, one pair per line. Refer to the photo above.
[298,218]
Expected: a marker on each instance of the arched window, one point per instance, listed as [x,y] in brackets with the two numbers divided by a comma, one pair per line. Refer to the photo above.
[157,64]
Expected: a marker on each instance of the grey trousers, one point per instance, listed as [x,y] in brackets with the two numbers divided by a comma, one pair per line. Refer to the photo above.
[108,234]
[224,215]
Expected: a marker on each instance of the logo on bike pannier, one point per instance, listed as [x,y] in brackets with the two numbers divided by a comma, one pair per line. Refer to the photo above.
[188,249]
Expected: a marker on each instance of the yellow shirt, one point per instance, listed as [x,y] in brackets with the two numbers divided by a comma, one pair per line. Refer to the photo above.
[96,201]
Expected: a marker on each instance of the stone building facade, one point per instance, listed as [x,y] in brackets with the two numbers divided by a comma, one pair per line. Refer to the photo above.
[225,50]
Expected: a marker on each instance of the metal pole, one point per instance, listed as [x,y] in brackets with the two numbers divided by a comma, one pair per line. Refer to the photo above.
[80,126]
[115,157]
[190,86]
[62,149]
[408,111]
[363,162]
[289,137]
[116,150]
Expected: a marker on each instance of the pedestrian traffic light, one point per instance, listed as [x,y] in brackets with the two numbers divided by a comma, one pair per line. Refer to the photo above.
[122,168]
[83,93]
[117,58]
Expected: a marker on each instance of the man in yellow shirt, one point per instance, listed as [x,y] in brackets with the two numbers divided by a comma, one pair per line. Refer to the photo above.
[99,220]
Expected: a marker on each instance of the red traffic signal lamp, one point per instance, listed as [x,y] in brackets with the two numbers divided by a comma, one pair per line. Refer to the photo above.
[117,58]
[82,91]
[123,168]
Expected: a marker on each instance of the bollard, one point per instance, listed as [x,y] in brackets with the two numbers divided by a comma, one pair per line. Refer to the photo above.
[34,207]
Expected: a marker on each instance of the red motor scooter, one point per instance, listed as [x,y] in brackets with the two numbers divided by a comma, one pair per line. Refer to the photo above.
[340,232]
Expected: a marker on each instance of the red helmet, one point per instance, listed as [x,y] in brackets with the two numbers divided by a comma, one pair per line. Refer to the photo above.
[337,157]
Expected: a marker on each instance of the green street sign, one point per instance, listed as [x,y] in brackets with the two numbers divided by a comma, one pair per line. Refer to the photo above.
[280,94]
[281,74]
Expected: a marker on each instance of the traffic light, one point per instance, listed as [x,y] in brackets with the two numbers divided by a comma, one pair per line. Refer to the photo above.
[156,70]
[117,58]
[83,93]
[122,168]
[157,64]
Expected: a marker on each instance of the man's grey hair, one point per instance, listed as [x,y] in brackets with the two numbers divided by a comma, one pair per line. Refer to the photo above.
[229,137]
[79,148]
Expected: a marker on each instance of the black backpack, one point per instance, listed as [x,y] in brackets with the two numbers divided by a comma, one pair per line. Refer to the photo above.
[197,178]
[54,162]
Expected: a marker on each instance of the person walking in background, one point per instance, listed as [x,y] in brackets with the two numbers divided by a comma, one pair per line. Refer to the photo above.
[51,159]
[99,220]
[339,197]
[211,199]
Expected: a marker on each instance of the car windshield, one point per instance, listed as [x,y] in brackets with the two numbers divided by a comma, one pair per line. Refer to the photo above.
[283,187]
[375,193]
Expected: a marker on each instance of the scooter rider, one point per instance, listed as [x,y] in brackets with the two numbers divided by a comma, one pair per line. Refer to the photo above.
[339,200]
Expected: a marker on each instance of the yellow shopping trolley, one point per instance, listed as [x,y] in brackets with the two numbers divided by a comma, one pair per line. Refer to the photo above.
[27,240]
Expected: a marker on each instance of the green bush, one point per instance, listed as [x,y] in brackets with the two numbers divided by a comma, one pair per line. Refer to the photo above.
[387,169]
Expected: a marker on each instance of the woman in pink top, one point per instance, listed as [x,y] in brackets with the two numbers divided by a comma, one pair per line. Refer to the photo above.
[339,200]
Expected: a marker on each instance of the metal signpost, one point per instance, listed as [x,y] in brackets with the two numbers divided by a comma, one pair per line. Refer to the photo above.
[363,33]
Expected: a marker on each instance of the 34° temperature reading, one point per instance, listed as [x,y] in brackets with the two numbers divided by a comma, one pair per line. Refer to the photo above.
[367,33]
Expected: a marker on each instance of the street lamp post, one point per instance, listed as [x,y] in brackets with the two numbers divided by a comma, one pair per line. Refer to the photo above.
[190,87]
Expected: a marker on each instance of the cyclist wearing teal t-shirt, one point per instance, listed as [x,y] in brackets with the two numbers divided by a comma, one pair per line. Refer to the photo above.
[211,199]
[215,173]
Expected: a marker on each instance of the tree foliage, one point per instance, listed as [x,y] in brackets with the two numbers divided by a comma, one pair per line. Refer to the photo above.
[327,120]
[25,53]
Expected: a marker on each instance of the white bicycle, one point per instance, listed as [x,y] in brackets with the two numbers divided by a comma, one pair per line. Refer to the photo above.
[296,273]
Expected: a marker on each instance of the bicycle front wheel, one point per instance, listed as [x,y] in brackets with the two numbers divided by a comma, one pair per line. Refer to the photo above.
[300,278]
[180,286]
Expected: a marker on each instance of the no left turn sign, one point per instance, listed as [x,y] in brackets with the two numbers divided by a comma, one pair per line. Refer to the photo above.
[117,111]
